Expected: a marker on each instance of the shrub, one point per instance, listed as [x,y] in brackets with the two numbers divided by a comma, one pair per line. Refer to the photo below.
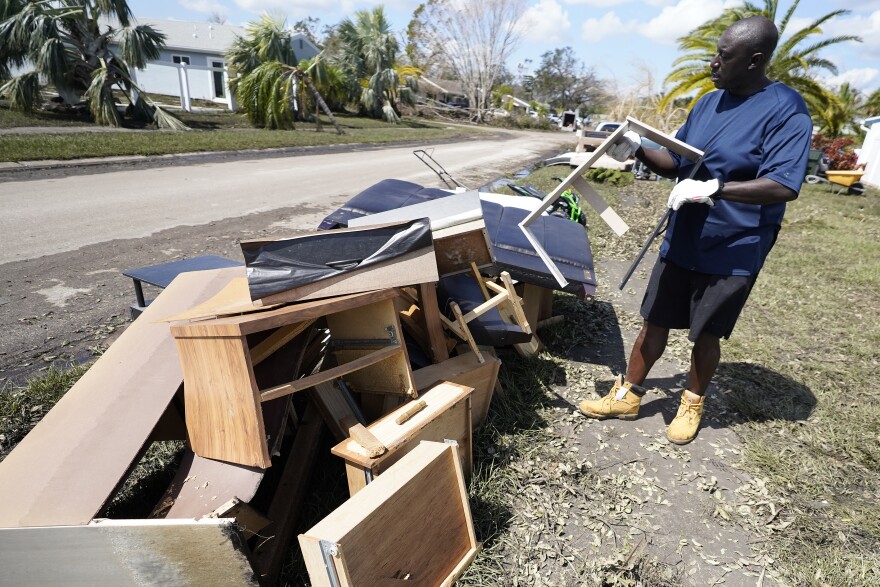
[523,122]
[609,176]
[838,150]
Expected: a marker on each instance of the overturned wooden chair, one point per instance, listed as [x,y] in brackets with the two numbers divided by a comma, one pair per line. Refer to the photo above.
[503,298]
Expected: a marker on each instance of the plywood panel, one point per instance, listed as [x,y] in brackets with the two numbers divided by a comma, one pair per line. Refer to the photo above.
[65,469]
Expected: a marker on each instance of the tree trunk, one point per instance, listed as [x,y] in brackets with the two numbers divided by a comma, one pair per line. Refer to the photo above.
[321,102]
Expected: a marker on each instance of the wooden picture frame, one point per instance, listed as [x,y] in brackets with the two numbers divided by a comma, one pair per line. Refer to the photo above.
[576,180]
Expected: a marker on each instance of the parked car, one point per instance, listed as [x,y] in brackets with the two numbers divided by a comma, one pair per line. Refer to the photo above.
[591,139]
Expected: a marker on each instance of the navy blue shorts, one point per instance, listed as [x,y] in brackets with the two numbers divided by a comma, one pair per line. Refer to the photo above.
[679,298]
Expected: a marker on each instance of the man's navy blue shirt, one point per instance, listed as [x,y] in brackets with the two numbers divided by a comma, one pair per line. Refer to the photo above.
[765,135]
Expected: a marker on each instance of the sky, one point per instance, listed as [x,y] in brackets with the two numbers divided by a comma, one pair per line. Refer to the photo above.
[621,40]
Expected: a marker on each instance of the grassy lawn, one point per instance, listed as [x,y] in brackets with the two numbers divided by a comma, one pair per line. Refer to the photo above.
[797,378]
[211,132]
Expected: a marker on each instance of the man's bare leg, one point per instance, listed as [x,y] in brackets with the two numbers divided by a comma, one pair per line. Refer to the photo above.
[648,348]
[705,357]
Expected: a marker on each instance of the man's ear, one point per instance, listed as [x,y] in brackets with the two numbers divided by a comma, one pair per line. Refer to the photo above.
[757,60]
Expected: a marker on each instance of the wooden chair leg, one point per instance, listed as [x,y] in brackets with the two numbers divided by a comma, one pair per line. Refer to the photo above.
[515,303]
[466,331]
[433,323]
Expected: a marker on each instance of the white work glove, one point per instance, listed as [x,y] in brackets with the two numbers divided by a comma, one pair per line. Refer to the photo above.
[625,146]
[692,191]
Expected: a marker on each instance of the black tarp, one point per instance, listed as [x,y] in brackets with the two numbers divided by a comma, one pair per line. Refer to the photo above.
[280,265]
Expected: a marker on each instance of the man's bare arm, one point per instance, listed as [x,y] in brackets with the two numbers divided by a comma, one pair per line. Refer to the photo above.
[757,191]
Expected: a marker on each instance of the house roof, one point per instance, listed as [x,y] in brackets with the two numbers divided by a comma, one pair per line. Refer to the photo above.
[518,102]
[204,37]
[871,121]
[195,36]
[444,85]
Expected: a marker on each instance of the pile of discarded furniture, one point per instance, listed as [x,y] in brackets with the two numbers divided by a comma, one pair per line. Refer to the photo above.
[381,328]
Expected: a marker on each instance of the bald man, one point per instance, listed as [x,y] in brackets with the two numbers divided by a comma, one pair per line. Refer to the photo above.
[756,136]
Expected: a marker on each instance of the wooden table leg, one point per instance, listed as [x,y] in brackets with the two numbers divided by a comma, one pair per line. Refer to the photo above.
[433,326]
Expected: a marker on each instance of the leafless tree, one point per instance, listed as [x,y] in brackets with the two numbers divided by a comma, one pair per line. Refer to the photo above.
[474,40]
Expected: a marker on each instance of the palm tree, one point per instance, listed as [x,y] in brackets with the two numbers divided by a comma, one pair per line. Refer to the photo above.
[271,86]
[871,106]
[840,115]
[367,53]
[68,43]
[794,62]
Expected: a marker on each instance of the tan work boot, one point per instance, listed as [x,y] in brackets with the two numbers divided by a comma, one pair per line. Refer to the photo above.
[621,402]
[683,427]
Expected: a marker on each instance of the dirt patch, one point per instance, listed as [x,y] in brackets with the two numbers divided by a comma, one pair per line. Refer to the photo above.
[67,308]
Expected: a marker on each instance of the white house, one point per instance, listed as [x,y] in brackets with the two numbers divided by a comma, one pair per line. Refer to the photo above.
[192,64]
[870,153]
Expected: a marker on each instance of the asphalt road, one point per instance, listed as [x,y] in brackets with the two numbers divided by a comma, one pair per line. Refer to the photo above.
[47,216]
[66,234]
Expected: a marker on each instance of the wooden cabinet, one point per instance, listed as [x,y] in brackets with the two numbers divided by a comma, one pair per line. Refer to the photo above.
[223,402]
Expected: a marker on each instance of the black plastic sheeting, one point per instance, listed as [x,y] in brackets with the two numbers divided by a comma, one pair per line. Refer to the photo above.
[281,265]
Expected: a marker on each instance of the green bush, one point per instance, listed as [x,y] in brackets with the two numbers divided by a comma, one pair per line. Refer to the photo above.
[522,122]
[610,176]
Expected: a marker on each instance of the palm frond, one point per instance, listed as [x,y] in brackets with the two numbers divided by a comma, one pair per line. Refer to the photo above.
[118,8]
[100,99]
[23,92]
[52,62]
[140,44]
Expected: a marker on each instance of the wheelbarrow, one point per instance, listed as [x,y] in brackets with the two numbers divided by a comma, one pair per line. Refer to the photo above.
[841,180]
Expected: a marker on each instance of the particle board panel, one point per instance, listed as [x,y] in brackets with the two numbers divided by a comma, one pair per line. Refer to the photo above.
[367,331]
[446,415]
[224,419]
[455,253]
[415,267]
[127,553]
[68,466]
[392,375]
[232,299]
[466,370]
[411,524]
[201,485]
[277,317]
